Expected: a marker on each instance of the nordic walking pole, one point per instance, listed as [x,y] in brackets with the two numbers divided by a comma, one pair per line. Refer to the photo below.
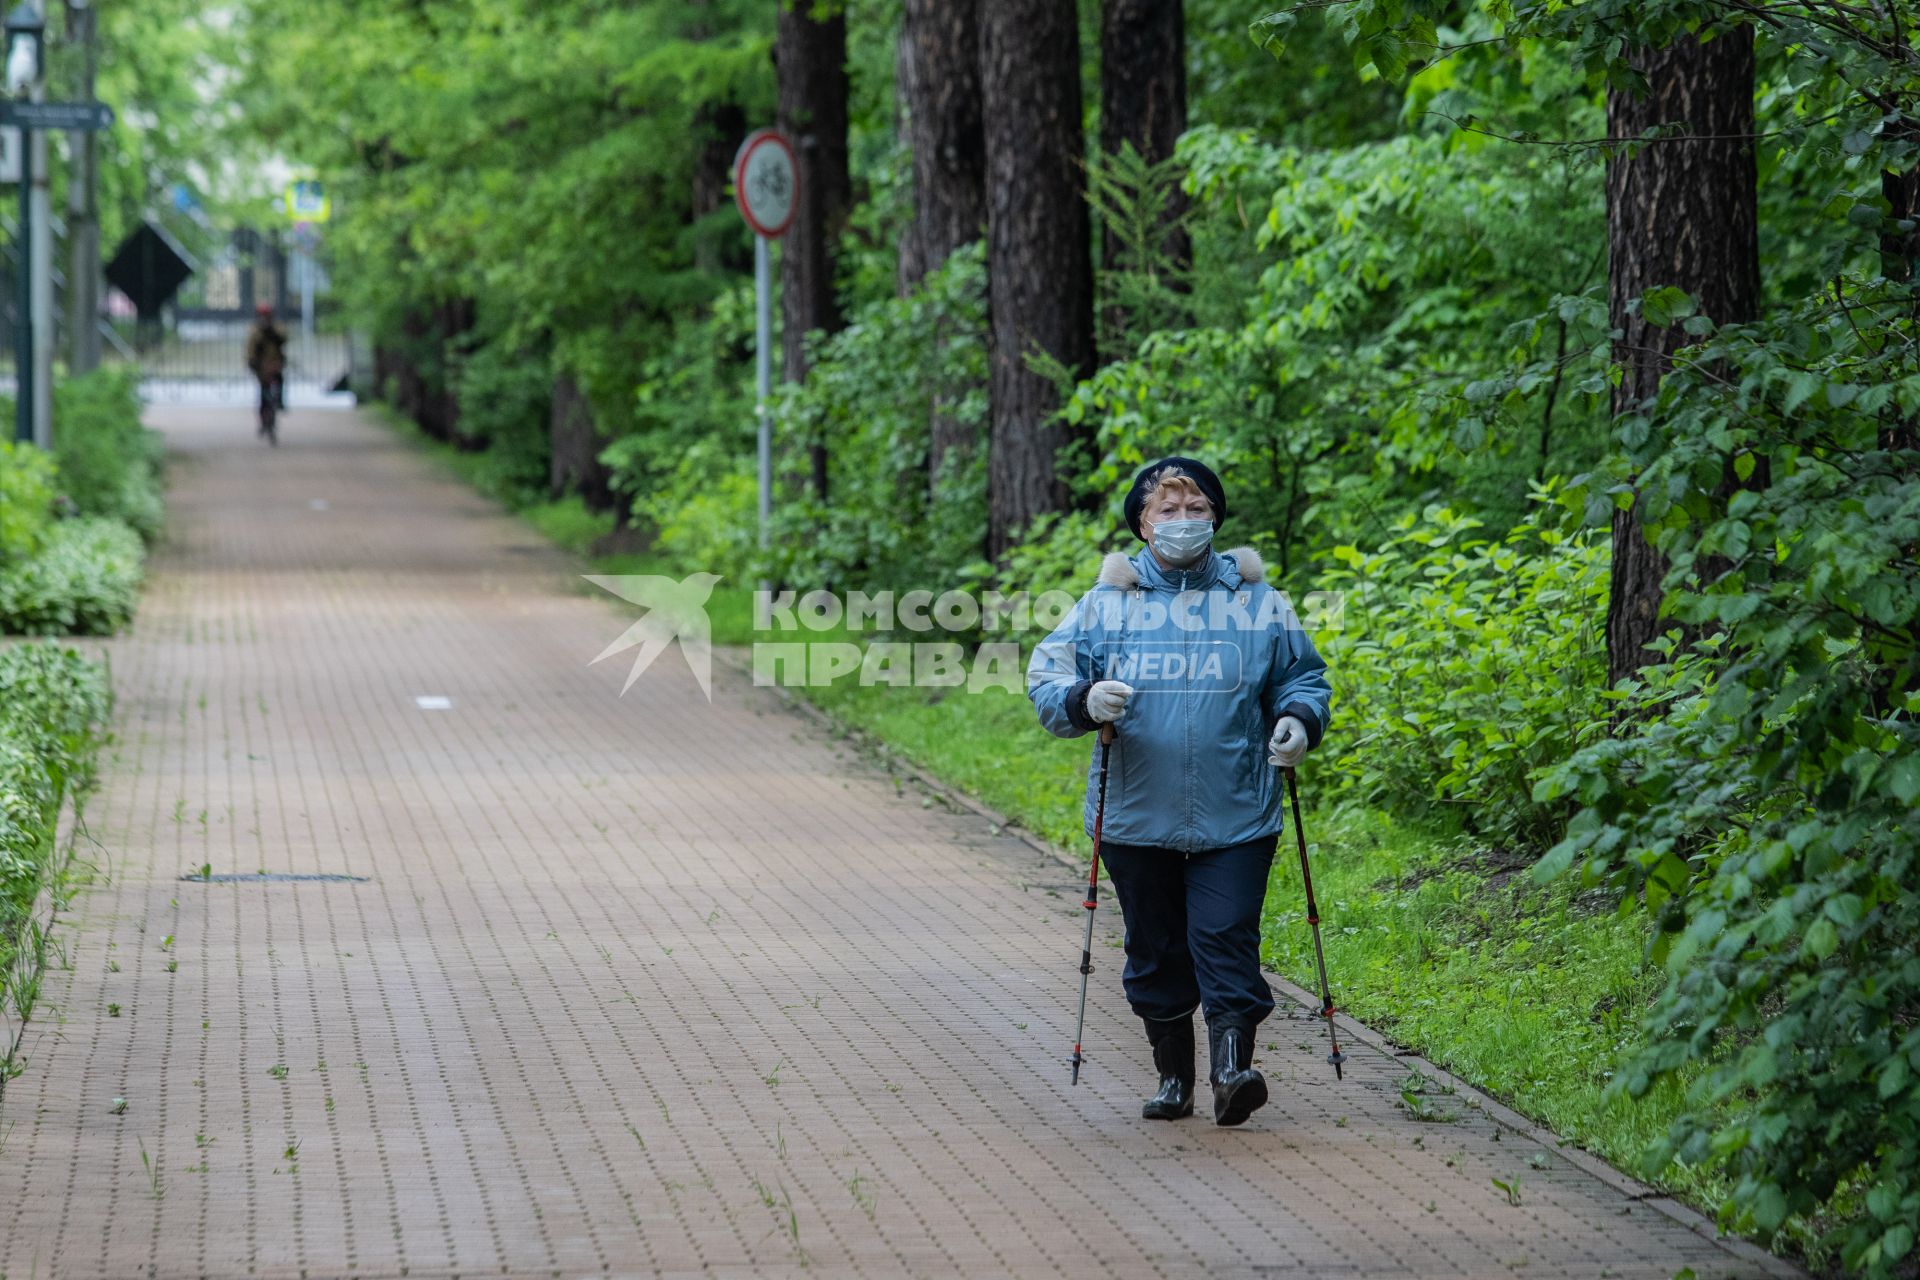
[1092,902]
[1313,918]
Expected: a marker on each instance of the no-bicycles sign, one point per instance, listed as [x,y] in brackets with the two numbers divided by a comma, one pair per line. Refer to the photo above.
[765,183]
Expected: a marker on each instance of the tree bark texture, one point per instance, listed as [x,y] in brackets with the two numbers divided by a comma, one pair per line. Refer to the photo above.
[1143,96]
[811,60]
[574,448]
[939,84]
[940,53]
[415,371]
[1681,211]
[1037,249]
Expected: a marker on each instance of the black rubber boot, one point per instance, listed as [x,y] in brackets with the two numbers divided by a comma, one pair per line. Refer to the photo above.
[1238,1090]
[1172,1043]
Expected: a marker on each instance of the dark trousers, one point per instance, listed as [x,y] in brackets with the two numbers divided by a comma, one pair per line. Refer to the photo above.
[1193,930]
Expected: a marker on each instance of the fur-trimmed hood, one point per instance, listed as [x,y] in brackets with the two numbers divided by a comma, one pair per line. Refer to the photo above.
[1119,570]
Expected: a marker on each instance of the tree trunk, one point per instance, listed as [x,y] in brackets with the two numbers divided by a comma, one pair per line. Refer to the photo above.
[1898,249]
[1681,211]
[1038,260]
[940,54]
[574,448]
[939,84]
[720,127]
[1143,100]
[910,264]
[811,58]
[417,371]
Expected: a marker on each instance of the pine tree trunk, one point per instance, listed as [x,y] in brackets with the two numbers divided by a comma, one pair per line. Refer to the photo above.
[811,59]
[1143,100]
[910,265]
[939,86]
[1681,211]
[1038,260]
[574,446]
[720,126]
[941,54]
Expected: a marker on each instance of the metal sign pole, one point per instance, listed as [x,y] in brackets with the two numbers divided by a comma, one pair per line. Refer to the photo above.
[23,321]
[304,261]
[764,183]
[763,371]
[41,274]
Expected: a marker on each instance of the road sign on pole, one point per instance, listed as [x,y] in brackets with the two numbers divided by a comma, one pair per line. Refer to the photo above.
[86,117]
[766,186]
[307,201]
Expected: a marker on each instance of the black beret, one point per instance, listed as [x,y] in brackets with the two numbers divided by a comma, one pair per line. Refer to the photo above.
[1199,472]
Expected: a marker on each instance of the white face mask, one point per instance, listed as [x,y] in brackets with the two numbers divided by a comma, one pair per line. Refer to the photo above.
[1181,542]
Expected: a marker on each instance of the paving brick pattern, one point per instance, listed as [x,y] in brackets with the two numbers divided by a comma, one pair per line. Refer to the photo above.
[633,985]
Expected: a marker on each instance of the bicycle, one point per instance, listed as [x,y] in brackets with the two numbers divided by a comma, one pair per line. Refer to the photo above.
[272,388]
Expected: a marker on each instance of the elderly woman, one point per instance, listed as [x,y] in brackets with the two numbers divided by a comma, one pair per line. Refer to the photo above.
[1206,675]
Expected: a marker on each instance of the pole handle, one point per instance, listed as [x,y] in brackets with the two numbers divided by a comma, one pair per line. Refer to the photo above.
[1107,734]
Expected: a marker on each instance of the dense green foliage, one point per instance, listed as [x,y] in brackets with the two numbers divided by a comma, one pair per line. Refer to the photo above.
[870,403]
[1469,665]
[26,500]
[53,711]
[83,580]
[73,525]
[530,160]
[109,465]
[1759,798]
[1763,805]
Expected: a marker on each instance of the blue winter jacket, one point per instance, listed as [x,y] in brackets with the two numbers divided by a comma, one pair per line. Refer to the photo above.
[1215,657]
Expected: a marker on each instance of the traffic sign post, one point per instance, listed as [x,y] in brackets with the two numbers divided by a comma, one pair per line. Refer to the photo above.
[305,242]
[308,205]
[307,201]
[24,364]
[766,187]
[34,345]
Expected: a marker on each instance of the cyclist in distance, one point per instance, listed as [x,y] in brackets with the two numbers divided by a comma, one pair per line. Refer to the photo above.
[267,358]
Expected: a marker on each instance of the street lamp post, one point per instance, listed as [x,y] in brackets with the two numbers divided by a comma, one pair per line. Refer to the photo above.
[26,65]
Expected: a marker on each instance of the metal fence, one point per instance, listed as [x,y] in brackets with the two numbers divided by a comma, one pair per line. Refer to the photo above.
[194,351]
[204,361]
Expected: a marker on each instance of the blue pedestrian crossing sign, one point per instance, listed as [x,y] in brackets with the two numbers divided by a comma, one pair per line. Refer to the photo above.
[307,201]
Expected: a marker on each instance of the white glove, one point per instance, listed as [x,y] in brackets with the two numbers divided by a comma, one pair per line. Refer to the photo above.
[1106,700]
[1288,745]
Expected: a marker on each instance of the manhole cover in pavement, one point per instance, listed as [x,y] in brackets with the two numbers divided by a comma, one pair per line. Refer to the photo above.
[269,877]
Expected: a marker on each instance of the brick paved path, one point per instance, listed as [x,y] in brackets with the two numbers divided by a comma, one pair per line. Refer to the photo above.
[632,985]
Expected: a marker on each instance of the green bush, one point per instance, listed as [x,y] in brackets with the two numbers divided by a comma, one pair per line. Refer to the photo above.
[109,464]
[707,512]
[1062,553]
[83,581]
[1764,804]
[26,500]
[1462,666]
[53,706]
[79,575]
[870,400]
[506,397]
